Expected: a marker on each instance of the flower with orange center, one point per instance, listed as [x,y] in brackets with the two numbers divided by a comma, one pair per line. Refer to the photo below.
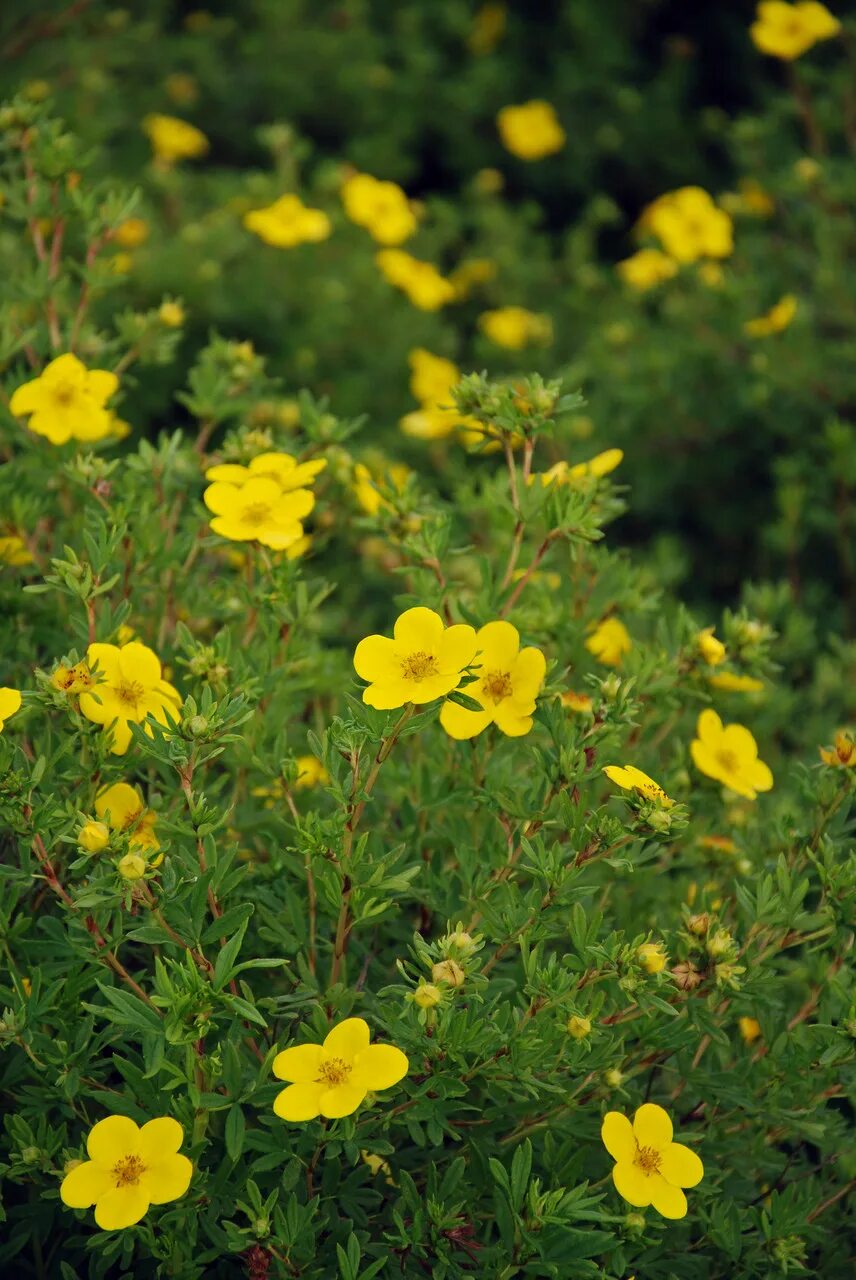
[67,401]
[258,511]
[72,680]
[423,661]
[729,754]
[128,1169]
[650,1168]
[129,687]
[509,681]
[843,754]
[333,1078]
[787,31]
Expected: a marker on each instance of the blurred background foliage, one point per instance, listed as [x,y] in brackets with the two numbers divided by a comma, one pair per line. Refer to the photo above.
[739,450]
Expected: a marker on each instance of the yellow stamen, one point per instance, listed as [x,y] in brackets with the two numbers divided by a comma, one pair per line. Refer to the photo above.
[648,1160]
[497,685]
[255,513]
[335,1071]
[130,693]
[128,1171]
[419,665]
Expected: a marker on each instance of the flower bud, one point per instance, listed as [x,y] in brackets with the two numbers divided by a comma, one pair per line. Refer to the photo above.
[699,924]
[711,649]
[750,1029]
[197,726]
[652,957]
[720,943]
[171,315]
[578,1027]
[614,1078]
[461,941]
[93,837]
[132,866]
[31,1155]
[427,996]
[450,972]
[634,1223]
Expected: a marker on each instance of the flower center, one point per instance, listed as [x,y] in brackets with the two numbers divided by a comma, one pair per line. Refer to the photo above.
[128,1171]
[728,760]
[497,685]
[64,393]
[648,1160]
[418,666]
[130,693]
[255,513]
[335,1071]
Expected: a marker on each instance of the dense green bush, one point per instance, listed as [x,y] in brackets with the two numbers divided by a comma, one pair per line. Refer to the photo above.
[234,454]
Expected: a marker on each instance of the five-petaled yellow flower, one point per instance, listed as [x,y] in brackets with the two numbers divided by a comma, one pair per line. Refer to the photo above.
[381,207]
[129,1168]
[423,661]
[333,1078]
[509,681]
[629,778]
[729,754]
[67,401]
[173,139]
[650,1168]
[288,222]
[609,641]
[531,130]
[787,31]
[689,225]
[258,510]
[10,702]
[129,687]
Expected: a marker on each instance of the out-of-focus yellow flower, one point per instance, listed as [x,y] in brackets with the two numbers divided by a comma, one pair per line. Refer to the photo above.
[773,321]
[566,473]
[646,268]
[310,773]
[171,314]
[750,1029]
[731,682]
[609,641]
[711,274]
[471,273]
[516,327]
[420,281]
[367,492]
[652,957]
[131,233]
[789,30]
[580,703]
[689,225]
[431,381]
[843,754]
[489,182]
[182,88]
[729,754]
[14,550]
[381,207]
[753,199]
[173,139]
[530,131]
[288,222]
[488,27]
[710,648]
[67,401]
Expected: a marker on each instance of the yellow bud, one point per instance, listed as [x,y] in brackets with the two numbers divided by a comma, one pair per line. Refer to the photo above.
[578,1027]
[449,972]
[750,1029]
[93,837]
[132,866]
[613,1077]
[652,957]
[461,941]
[710,648]
[720,943]
[171,314]
[427,996]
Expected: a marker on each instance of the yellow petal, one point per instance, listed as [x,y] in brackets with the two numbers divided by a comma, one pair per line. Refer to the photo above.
[380,1066]
[107,658]
[167,1179]
[508,718]
[375,658]
[652,1126]
[632,1184]
[222,498]
[230,473]
[10,702]
[121,802]
[759,776]
[709,727]
[418,628]
[85,1184]
[341,1101]
[101,384]
[616,1134]
[120,737]
[27,398]
[457,647]
[299,1102]
[460,723]
[138,663]
[158,1139]
[668,1200]
[385,695]
[527,673]
[111,1139]
[500,644]
[299,1064]
[347,1039]
[680,1166]
[121,1207]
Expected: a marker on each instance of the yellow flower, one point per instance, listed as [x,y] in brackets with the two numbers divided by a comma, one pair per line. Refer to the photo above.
[775,320]
[788,30]
[67,401]
[10,702]
[310,773]
[609,642]
[258,510]
[509,681]
[689,225]
[422,662]
[578,1027]
[420,281]
[333,1078]
[121,806]
[130,687]
[565,473]
[843,754]
[530,131]
[729,754]
[365,486]
[753,199]
[515,327]
[72,680]
[377,1165]
[431,381]
[471,273]
[131,233]
[646,268]
[282,467]
[449,972]
[750,1029]
[288,222]
[128,1169]
[652,957]
[730,682]
[93,837]
[173,139]
[381,207]
[629,778]
[580,703]
[650,1168]
[13,550]
[171,314]
[710,648]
